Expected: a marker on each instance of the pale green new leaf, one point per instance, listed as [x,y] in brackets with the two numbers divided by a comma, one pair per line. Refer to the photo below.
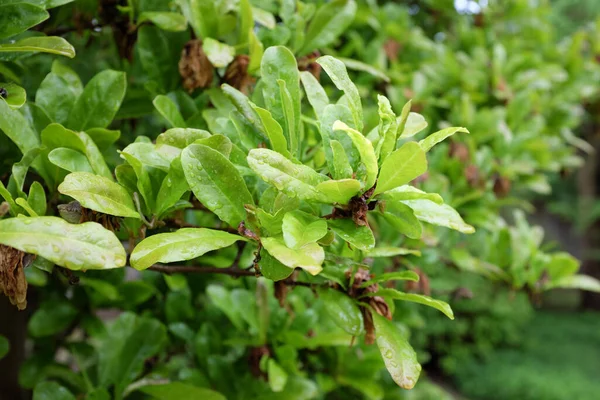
[99,194]
[401,167]
[184,244]
[438,214]
[581,282]
[366,151]
[436,137]
[273,130]
[360,237]
[338,74]
[277,376]
[300,228]
[339,191]
[15,95]
[316,95]
[219,54]
[415,298]
[414,124]
[216,182]
[392,276]
[295,180]
[310,257]
[392,252]
[43,44]
[407,192]
[181,137]
[80,246]
[70,160]
[399,357]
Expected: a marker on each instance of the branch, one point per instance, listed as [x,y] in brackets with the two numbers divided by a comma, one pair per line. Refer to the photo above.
[184,269]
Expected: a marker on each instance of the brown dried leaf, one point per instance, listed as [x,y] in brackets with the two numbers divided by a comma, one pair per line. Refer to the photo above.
[194,67]
[237,75]
[12,275]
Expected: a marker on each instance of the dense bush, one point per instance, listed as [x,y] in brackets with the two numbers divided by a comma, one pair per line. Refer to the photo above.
[276,213]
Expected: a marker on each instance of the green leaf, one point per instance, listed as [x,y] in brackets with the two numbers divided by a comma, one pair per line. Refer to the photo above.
[220,143]
[295,180]
[343,310]
[415,298]
[83,246]
[289,114]
[55,136]
[401,167]
[4,346]
[149,154]
[300,228]
[49,44]
[277,376]
[172,188]
[310,257]
[181,137]
[103,137]
[203,16]
[51,318]
[278,63]
[99,102]
[272,269]
[392,252]
[15,126]
[70,160]
[49,390]
[224,300]
[180,391]
[358,236]
[246,21]
[37,198]
[402,217]
[317,97]
[581,282]
[407,192]
[436,137]
[341,168]
[168,21]
[99,194]
[17,18]
[340,191]
[392,276]
[363,67]
[58,92]
[157,57]
[15,95]
[125,346]
[338,74]
[216,182]
[330,21]
[219,54]
[256,51]
[438,214]
[414,124]
[273,130]
[20,169]
[366,151]
[184,244]
[25,205]
[168,109]
[399,357]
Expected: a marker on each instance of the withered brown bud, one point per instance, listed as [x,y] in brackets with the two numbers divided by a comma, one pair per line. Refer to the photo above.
[307,63]
[71,212]
[4,208]
[501,186]
[392,48]
[459,151]
[420,178]
[472,175]
[195,67]
[12,275]
[422,286]
[237,75]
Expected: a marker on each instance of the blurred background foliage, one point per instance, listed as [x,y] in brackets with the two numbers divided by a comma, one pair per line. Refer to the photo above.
[523,76]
